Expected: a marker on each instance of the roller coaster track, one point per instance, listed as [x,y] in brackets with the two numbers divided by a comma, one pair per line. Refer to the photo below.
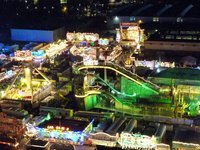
[122,71]
[113,89]
[86,94]
[98,90]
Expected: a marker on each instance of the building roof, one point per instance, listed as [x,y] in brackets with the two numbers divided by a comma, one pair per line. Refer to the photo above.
[38,142]
[72,124]
[179,73]
[187,136]
[37,27]
[159,10]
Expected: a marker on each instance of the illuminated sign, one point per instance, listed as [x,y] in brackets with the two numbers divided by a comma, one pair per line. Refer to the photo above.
[136,141]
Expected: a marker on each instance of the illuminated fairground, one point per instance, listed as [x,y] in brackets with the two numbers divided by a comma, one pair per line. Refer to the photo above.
[106,103]
[29,83]
[109,81]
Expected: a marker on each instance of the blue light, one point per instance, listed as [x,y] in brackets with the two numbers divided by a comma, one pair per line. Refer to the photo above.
[66,135]
[53,134]
[9,73]
[38,53]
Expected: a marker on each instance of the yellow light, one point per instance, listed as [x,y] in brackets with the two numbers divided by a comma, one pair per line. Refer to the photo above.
[45,83]
[62,128]
[88,93]
[3,93]
[64,9]
[35,2]
[23,80]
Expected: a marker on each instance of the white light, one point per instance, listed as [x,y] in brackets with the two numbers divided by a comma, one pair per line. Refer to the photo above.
[157,65]
[116,18]
[158,70]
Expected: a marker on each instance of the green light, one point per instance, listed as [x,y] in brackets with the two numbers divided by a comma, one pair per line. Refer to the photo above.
[113,90]
[48,117]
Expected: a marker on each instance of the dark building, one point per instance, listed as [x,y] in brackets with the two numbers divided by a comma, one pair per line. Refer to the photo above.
[157,13]
[186,138]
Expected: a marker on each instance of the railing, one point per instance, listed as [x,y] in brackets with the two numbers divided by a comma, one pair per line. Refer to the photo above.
[134,77]
[99,88]
[81,93]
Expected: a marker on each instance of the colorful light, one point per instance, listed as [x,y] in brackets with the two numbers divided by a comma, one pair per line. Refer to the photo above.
[23,55]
